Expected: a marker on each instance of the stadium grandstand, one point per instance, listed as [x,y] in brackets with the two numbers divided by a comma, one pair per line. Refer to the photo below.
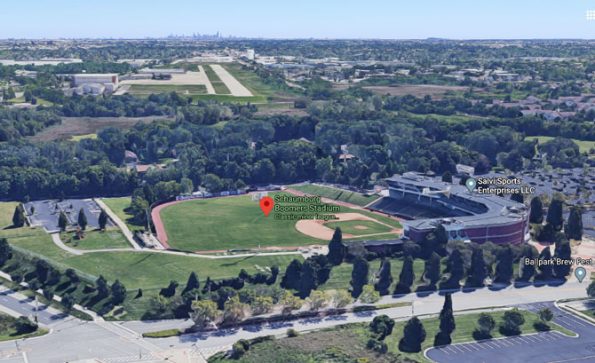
[427,202]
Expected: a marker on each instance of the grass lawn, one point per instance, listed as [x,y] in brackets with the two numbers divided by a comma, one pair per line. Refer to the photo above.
[584,146]
[341,275]
[357,228]
[235,223]
[6,213]
[336,194]
[119,207]
[218,85]
[347,343]
[82,137]
[147,89]
[231,99]
[255,84]
[93,240]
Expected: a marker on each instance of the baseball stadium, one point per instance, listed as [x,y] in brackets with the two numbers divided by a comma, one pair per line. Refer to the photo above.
[426,202]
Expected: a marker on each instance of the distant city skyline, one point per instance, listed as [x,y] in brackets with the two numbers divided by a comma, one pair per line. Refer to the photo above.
[333,19]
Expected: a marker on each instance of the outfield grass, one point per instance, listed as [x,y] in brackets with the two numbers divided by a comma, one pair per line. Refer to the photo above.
[236,223]
[119,207]
[216,82]
[147,89]
[358,228]
[583,145]
[93,240]
[335,194]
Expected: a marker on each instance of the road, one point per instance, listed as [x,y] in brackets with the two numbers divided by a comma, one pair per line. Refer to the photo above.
[535,348]
[122,341]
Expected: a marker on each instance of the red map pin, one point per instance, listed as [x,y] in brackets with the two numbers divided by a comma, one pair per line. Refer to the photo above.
[266,204]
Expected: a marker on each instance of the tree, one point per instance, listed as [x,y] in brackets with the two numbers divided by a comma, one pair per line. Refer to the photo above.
[24,326]
[536,215]
[62,221]
[527,269]
[382,326]
[432,269]
[262,305]
[234,310]
[545,315]
[359,276]
[290,302]
[591,289]
[563,258]
[5,251]
[414,334]
[447,322]
[545,264]
[485,325]
[67,302]
[555,217]
[118,292]
[385,279]
[511,322]
[192,283]
[18,218]
[478,270]
[336,248]
[102,220]
[292,275]
[72,276]
[318,300]
[204,312]
[170,290]
[341,298]
[307,281]
[574,227]
[102,288]
[82,219]
[447,177]
[406,276]
[42,271]
[504,265]
[369,295]
[455,266]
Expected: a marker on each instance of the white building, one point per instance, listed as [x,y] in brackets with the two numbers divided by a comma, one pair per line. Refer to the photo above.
[80,79]
[250,54]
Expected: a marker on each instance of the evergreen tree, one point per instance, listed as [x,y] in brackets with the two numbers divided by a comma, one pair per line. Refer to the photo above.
[555,217]
[504,265]
[118,292]
[5,251]
[82,219]
[18,218]
[536,215]
[455,266]
[406,276]
[385,278]
[170,290]
[545,267]
[447,177]
[102,288]
[307,281]
[336,248]
[62,221]
[574,227]
[192,283]
[478,271]
[102,220]
[414,335]
[432,269]
[562,254]
[292,275]
[447,322]
[359,276]
[526,270]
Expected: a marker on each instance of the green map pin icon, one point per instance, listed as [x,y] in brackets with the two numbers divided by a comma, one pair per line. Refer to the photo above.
[470,184]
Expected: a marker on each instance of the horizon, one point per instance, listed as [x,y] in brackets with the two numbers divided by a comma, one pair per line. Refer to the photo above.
[266,19]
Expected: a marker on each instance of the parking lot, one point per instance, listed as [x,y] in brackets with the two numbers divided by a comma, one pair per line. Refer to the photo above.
[45,213]
[540,347]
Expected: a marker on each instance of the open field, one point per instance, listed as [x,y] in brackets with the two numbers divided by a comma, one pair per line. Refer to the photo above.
[347,343]
[77,126]
[236,223]
[416,90]
[6,212]
[235,87]
[119,207]
[584,146]
[147,89]
[255,84]
[93,240]
[342,195]
[218,85]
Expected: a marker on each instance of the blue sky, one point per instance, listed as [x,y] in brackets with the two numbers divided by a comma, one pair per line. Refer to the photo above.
[394,19]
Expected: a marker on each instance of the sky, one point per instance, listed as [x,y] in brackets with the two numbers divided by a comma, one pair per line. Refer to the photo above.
[387,19]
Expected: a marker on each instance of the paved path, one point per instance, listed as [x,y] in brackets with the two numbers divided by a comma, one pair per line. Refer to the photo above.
[534,348]
[120,223]
[58,242]
[235,87]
